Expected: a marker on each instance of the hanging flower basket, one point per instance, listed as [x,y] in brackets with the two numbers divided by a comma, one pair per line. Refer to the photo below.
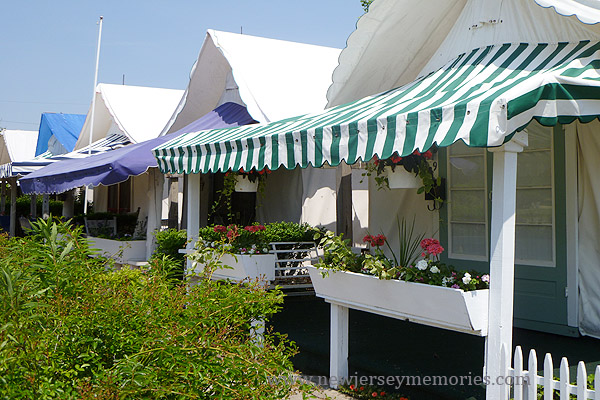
[438,306]
[246,267]
[243,184]
[400,178]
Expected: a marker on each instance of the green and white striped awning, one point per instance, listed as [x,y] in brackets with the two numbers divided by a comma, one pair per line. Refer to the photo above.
[481,97]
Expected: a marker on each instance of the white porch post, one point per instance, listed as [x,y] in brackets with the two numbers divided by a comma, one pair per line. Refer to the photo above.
[33,206]
[193,214]
[46,206]
[502,263]
[155,189]
[2,196]
[68,210]
[338,345]
[13,206]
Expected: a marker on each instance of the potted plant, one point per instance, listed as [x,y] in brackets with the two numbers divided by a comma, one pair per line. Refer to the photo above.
[418,289]
[415,171]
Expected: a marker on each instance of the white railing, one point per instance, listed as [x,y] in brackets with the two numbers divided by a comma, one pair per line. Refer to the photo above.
[525,382]
[290,265]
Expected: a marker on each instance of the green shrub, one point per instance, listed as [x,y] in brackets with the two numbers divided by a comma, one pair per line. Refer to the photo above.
[289,232]
[72,329]
[24,206]
[168,244]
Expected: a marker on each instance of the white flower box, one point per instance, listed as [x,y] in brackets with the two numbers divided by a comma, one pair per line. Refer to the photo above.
[122,251]
[243,184]
[252,267]
[400,178]
[443,307]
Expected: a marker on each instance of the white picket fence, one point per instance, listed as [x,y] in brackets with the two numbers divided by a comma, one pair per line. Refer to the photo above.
[525,382]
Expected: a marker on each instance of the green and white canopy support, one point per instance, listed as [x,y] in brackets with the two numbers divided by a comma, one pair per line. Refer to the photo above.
[485,98]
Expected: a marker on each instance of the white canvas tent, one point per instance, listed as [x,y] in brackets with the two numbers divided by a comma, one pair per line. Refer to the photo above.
[17,145]
[274,79]
[135,112]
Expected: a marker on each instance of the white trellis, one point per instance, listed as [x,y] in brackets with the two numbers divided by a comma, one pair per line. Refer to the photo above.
[525,382]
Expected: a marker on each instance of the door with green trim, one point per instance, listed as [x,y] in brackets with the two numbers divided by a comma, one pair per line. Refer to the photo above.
[540,251]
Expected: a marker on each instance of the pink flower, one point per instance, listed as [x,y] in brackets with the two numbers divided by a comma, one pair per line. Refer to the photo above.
[425,243]
[485,278]
[455,286]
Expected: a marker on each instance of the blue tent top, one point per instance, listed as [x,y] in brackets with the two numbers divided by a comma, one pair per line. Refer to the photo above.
[118,165]
[65,127]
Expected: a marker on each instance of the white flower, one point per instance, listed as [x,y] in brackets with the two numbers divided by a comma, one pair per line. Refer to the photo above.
[422,265]
[445,281]
[253,246]
[434,270]
[467,278]
[251,251]
[265,250]
[485,278]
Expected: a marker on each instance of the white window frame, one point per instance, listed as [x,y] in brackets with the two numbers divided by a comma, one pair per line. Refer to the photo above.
[452,255]
[541,263]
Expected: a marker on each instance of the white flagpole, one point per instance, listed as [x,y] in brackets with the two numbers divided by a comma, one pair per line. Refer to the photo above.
[85,203]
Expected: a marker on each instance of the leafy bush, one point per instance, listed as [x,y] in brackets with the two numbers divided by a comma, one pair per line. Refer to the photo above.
[257,236]
[289,232]
[168,244]
[24,206]
[72,329]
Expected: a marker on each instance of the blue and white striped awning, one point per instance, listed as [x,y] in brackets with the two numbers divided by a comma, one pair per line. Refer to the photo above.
[481,97]
[22,168]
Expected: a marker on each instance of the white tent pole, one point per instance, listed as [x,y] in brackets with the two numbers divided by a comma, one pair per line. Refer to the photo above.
[85,202]
[13,206]
[502,264]
[193,214]
[2,196]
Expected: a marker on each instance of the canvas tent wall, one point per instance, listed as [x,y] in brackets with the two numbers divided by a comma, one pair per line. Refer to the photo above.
[58,133]
[464,26]
[274,79]
[17,145]
[136,112]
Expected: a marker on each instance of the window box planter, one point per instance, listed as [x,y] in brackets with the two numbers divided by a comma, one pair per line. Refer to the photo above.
[400,178]
[243,184]
[258,266]
[437,306]
[122,251]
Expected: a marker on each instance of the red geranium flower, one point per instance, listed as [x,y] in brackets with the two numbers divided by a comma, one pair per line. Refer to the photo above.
[379,240]
[428,155]
[374,394]
[220,229]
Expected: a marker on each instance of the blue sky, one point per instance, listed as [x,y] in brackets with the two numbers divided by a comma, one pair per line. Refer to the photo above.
[47,49]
